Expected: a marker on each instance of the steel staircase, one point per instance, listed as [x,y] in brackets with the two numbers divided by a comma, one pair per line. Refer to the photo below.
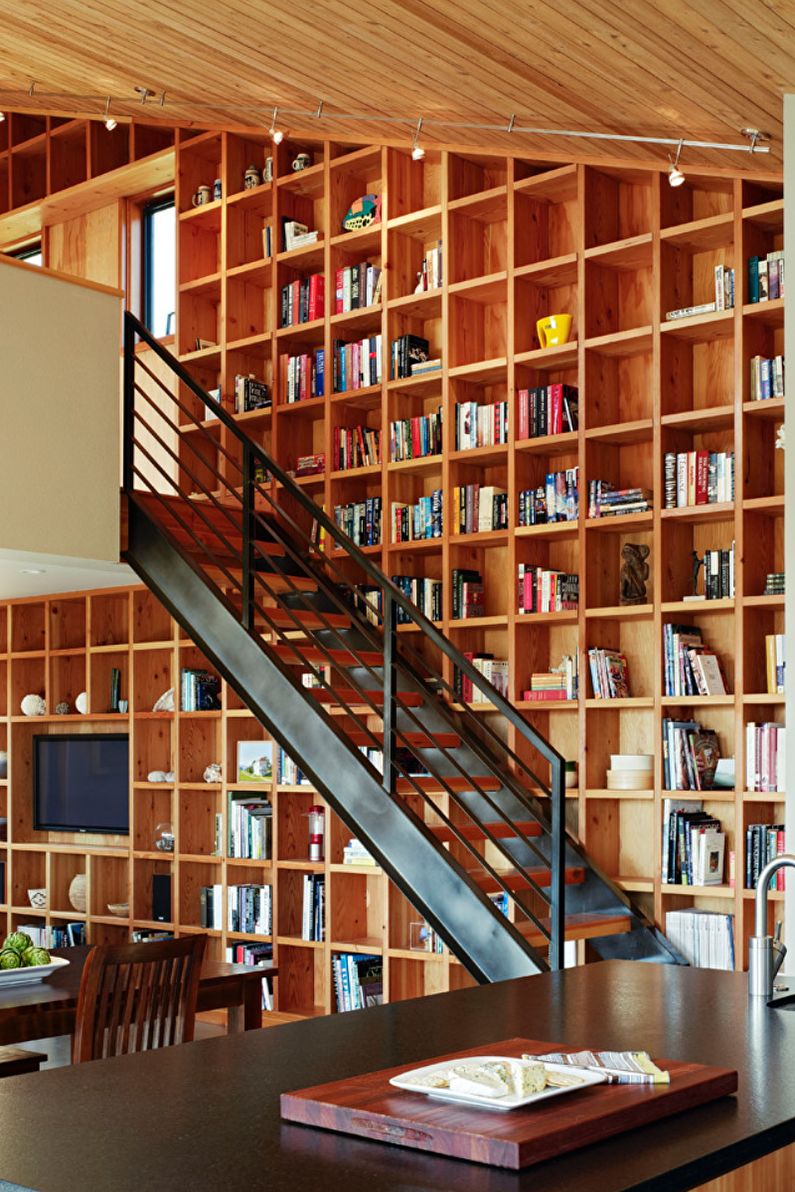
[335,661]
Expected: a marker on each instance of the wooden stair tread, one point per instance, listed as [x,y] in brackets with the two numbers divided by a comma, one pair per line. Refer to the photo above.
[408,699]
[590,925]
[414,740]
[274,581]
[457,783]
[325,657]
[305,619]
[514,878]
[500,830]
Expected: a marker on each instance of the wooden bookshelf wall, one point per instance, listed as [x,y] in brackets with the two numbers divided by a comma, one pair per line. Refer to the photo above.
[616,248]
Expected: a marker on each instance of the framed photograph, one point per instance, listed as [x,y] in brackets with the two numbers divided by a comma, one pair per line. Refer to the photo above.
[255,761]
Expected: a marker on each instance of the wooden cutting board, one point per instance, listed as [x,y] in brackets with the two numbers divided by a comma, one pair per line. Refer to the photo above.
[370,1107]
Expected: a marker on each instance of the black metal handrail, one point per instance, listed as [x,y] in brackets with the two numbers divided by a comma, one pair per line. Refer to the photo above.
[393,599]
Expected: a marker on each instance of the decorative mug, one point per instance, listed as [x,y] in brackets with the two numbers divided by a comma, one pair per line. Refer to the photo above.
[553,330]
[267,173]
[302,161]
[218,188]
[201,196]
[251,178]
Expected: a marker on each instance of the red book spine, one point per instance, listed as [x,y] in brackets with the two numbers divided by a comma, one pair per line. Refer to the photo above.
[339,285]
[555,399]
[702,470]
[416,448]
[312,304]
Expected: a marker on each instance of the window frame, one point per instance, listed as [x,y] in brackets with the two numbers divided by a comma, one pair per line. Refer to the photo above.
[24,253]
[148,210]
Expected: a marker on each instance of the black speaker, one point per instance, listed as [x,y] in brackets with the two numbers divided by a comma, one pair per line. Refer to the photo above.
[161,897]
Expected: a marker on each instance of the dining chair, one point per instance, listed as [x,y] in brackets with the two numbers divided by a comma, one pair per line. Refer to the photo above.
[137,997]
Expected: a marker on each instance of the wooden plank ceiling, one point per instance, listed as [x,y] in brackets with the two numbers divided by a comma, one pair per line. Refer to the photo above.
[700,69]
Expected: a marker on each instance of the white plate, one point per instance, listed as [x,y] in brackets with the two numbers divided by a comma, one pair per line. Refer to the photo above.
[31,974]
[408,1082]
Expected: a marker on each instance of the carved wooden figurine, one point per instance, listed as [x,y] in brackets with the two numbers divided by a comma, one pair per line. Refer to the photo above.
[634,573]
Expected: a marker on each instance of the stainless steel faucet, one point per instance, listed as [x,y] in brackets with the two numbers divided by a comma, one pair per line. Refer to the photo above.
[766,952]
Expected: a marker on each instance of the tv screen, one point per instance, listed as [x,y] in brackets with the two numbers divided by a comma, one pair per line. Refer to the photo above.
[81,783]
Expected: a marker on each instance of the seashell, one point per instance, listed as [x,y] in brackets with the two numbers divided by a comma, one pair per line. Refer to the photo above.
[33,705]
[81,703]
[62,709]
[213,772]
[166,702]
[156,776]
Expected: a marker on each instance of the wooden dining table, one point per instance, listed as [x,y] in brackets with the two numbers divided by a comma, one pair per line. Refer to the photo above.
[47,1008]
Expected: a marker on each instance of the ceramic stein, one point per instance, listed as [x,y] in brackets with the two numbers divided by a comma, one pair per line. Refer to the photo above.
[251,178]
[302,161]
[218,188]
[553,330]
[201,196]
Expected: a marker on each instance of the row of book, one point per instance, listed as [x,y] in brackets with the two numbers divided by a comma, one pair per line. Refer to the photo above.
[425,593]
[311,465]
[70,935]
[198,691]
[767,377]
[705,939]
[774,583]
[417,437]
[561,682]
[724,296]
[251,955]
[546,410]
[355,447]
[303,377]
[407,352]
[479,508]
[249,908]
[545,591]
[430,275]
[361,521]
[356,287]
[690,668]
[609,673]
[251,394]
[303,301]
[467,593]
[719,573]
[693,844]
[698,478]
[766,276]
[556,500]
[313,908]
[775,657]
[690,755]
[249,827]
[354,853]
[606,501]
[494,670]
[763,843]
[358,980]
[422,520]
[479,425]
[288,773]
[356,365]
[765,756]
[296,234]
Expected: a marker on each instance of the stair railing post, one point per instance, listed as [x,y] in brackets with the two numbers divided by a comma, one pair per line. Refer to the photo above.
[390,691]
[557,865]
[128,404]
[249,531]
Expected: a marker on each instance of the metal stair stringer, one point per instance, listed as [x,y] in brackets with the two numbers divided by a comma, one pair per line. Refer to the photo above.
[424,872]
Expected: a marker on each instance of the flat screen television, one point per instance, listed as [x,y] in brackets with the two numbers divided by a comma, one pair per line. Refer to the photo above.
[81,783]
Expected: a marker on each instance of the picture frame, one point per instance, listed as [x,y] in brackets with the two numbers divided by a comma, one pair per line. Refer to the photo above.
[254,761]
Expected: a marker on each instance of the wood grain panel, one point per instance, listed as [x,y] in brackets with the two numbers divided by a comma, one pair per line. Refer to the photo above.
[703,69]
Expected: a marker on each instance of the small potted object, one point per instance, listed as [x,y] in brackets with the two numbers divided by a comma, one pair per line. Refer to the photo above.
[570,775]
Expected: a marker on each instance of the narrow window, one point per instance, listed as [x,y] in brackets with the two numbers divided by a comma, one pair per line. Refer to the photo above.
[31,253]
[159,265]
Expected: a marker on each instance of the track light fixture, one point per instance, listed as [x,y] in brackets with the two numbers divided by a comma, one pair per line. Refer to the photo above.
[110,123]
[277,135]
[417,151]
[675,175]
[2,117]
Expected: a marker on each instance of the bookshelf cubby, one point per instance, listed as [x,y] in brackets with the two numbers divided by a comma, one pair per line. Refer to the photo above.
[615,247]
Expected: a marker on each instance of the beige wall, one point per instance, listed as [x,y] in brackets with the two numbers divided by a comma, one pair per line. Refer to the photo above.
[59,414]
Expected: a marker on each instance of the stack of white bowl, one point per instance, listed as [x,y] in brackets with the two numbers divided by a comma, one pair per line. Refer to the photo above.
[630,772]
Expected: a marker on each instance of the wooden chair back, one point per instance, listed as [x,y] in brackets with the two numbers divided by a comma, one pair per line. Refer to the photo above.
[137,997]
